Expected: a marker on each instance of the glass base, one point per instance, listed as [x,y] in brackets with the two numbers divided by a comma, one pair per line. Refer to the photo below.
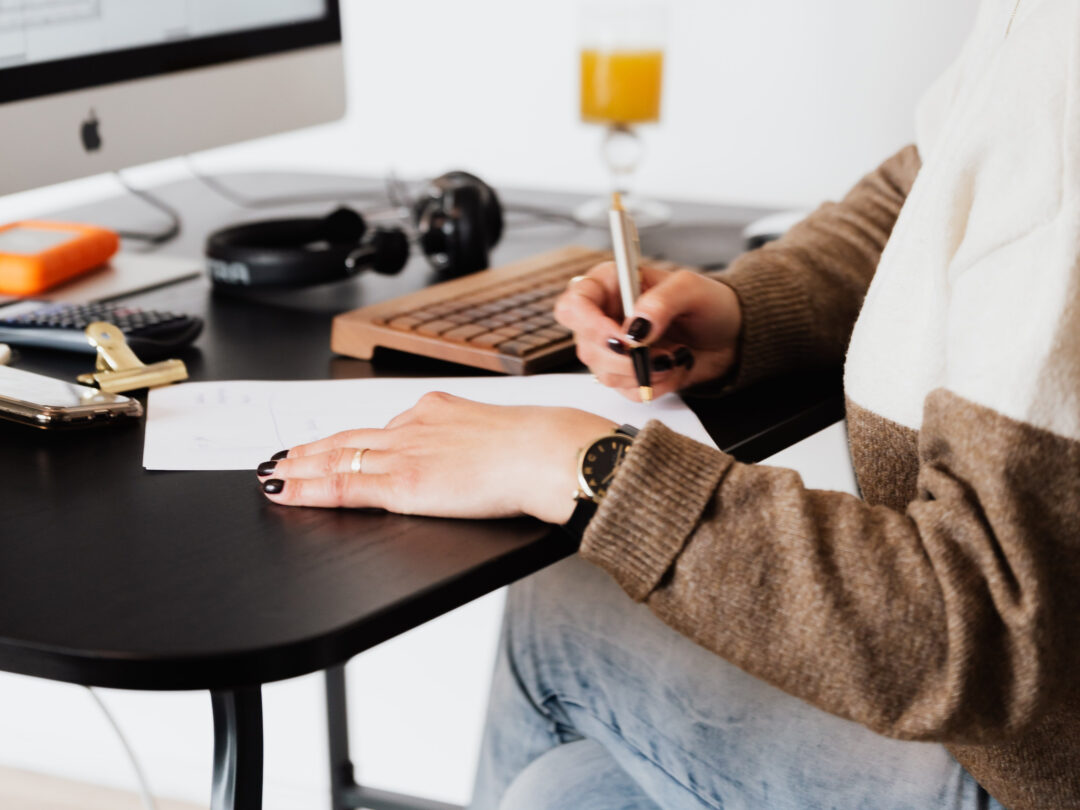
[645,213]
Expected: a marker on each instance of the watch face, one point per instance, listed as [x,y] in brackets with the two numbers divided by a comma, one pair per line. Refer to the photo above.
[598,464]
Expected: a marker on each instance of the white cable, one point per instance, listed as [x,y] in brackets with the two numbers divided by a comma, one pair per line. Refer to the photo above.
[144,785]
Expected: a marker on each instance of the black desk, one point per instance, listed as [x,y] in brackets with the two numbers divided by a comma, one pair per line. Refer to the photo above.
[114,576]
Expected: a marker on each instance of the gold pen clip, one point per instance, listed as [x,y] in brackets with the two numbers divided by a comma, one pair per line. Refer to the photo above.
[119,369]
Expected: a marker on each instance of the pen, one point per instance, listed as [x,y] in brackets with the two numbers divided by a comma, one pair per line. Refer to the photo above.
[624,240]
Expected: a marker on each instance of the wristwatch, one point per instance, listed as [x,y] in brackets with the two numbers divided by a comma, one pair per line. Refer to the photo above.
[597,464]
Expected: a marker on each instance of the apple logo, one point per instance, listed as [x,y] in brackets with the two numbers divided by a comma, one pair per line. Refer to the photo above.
[91,137]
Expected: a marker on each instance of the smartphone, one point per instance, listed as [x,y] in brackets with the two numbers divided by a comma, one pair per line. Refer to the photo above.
[46,402]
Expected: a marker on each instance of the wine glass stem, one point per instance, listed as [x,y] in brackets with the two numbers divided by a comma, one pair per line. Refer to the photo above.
[622,150]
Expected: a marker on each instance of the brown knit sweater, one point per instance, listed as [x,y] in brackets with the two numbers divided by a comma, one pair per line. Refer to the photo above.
[943,606]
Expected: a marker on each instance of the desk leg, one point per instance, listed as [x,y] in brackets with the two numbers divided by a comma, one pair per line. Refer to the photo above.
[238,749]
[342,776]
[345,794]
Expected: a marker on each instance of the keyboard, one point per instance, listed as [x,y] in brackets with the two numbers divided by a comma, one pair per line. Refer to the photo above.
[498,319]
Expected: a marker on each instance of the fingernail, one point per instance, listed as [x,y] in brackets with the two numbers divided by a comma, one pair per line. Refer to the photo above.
[639,329]
[684,357]
[280,454]
[273,486]
[663,362]
[266,468]
[616,346]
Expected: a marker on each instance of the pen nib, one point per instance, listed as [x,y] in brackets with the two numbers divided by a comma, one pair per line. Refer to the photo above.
[646,393]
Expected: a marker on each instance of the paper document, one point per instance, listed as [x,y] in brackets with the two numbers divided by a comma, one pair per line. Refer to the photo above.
[236,425]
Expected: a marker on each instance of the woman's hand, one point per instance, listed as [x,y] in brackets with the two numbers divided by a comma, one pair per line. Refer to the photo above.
[690,322]
[446,457]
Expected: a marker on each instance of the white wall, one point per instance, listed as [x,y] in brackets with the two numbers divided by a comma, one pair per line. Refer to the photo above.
[774,102]
[770,101]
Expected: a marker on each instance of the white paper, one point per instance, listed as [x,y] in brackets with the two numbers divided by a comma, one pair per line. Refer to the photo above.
[235,425]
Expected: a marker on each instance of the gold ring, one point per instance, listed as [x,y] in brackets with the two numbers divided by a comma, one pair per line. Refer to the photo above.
[596,281]
[358,460]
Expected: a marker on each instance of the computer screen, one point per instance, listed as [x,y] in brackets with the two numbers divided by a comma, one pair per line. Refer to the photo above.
[33,31]
[92,85]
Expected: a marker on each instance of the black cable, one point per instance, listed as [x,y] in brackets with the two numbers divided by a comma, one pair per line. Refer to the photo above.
[397,192]
[170,232]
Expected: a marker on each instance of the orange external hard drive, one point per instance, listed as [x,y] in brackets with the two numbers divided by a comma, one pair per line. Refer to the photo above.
[36,255]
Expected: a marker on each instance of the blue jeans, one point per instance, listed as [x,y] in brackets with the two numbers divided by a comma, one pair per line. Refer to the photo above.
[598,705]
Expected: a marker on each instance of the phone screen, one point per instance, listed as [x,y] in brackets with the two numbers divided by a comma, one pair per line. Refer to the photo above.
[37,389]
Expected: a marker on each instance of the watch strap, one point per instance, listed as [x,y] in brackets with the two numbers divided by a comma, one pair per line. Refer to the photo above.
[579,519]
[586,508]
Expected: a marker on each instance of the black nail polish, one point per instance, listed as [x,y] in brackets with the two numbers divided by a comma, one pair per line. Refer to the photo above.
[639,329]
[273,486]
[663,362]
[266,468]
[684,357]
[616,346]
[280,454]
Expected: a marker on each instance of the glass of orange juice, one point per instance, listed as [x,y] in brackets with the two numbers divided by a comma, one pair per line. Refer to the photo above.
[622,72]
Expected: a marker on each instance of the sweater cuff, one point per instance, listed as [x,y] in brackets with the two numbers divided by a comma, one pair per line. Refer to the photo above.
[776,322]
[654,503]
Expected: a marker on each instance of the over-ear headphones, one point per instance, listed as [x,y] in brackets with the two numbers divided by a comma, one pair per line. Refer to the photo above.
[457,219]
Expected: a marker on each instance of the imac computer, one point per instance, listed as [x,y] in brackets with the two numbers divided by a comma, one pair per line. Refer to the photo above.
[88,86]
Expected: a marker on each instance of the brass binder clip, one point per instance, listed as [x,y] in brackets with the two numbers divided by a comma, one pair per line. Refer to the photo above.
[119,370]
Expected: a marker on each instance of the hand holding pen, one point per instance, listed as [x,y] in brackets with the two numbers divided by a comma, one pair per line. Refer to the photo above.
[690,324]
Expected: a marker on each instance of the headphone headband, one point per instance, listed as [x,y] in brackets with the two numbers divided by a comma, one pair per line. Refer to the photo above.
[285,252]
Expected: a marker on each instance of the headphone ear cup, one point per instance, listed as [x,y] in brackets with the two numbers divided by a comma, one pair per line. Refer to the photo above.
[342,225]
[490,205]
[491,210]
[467,242]
[391,250]
[459,220]
[384,250]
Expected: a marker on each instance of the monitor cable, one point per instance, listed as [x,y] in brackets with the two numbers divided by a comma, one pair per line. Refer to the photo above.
[144,784]
[166,234]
